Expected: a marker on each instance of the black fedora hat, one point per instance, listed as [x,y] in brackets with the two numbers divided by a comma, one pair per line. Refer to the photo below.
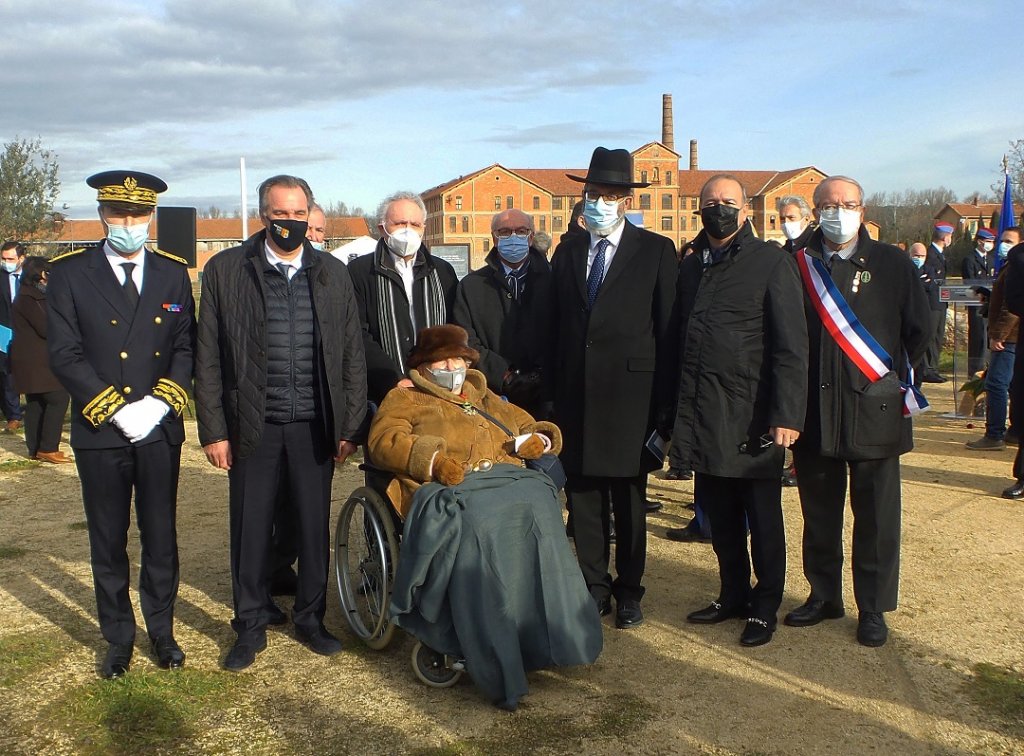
[611,167]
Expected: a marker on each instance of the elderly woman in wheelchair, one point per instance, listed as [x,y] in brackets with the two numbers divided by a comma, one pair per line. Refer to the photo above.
[486,581]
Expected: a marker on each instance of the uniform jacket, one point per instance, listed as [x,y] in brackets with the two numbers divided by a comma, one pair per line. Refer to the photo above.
[847,416]
[412,425]
[105,355]
[973,268]
[506,332]
[743,357]
[612,366]
[231,353]
[933,273]
[30,359]
[1003,325]
[370,271]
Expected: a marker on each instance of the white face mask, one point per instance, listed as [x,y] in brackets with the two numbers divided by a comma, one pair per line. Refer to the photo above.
[792,229]
[9,266]
[404,242]
[128,239]
[840,226]
[987,246]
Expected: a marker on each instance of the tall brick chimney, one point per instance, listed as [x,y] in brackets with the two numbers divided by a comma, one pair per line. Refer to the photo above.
[667,137]
[693,154]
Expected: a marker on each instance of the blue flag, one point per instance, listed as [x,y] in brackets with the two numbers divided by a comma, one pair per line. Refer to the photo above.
[1006,218]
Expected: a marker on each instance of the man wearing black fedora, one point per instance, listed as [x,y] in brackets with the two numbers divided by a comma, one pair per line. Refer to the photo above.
[614,289]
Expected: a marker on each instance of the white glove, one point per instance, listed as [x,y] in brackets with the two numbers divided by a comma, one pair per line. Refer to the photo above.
[150,412]
[127,419]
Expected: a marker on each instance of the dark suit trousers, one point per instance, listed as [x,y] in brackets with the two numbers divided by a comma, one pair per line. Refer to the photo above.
[44,420]
[286,535]
[299,450]
[938,339]
[592,501]
[977,343]
[875,501]
[10,402]
[108,477]
[731,504]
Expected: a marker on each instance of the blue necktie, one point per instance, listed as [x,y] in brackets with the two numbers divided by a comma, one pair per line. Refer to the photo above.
[596,273]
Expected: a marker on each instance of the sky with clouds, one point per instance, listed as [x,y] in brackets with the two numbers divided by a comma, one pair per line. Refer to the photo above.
[364,97]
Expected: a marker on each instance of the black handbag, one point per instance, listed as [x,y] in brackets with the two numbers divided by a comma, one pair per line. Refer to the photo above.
[547,463]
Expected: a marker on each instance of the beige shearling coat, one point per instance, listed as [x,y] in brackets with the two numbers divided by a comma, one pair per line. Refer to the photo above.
[412,425]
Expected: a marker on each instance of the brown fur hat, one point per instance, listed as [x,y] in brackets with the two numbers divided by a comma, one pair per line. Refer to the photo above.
[440,343]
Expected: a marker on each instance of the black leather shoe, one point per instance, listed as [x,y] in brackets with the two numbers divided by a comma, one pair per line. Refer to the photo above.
[715,613]
[318,640]
[757,632]
[1016,491]
[813,611]
[167,652]
[119,657]
[652,506]
[628,614]
[789,477]
[872,630]
[604,605]
[275,615]
[243,653]
[686,535]
[674,473]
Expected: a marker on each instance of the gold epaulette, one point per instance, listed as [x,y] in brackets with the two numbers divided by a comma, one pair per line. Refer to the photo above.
[102,406]
[65,255]
[171,393]
[169,256]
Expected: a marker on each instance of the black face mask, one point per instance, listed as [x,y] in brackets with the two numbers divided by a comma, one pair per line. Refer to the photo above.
[720,221]
[287,234]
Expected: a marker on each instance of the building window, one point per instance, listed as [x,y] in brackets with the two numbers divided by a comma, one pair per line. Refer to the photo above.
[508,202]
[544,223]
[451,224]
[666,223]
[771,220]
[645,202]
[458,202]
[536,202]
[695,222]
[497,202]
[668,177]
[666,202]
[643,177]
[556,203]
[693,203]
[485,245]
[465,224]
[556,223]
[682,222]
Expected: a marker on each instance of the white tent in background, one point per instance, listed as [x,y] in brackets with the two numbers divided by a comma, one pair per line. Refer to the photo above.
[362,245]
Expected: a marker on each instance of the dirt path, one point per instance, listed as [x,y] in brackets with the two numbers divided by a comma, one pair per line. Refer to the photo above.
[667,687]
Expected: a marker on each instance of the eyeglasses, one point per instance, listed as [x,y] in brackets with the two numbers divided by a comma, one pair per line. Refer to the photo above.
[591,196]
[505,233]
[833,207]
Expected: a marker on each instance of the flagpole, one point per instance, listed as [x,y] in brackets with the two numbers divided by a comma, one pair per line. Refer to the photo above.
[245,210]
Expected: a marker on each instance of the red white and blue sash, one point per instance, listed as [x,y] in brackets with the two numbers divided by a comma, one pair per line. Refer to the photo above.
[850,334]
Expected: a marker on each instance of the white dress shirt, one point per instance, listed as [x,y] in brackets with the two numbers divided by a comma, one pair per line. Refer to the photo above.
[293,265]
[613,244]
[117,262]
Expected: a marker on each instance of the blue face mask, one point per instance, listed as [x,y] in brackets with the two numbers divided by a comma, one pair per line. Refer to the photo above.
[318,246]
[128,239]
[918,262]
[1004,248]
[514,249]
[601,216]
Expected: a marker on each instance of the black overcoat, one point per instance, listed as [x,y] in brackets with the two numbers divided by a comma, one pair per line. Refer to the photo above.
[612,366]
[934,272]
[848,417]
[743,357]
[30,359]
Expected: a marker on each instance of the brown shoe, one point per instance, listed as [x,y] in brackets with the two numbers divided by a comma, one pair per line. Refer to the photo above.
[13,425]
[56,458]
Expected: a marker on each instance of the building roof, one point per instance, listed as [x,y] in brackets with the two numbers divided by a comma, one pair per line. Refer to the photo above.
[967,210]
[662,145]
[554,180]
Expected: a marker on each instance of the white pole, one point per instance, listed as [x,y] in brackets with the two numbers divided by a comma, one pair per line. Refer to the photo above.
[245,211]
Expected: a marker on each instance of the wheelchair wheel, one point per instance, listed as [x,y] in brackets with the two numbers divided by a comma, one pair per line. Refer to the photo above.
[433,668]
[365,555]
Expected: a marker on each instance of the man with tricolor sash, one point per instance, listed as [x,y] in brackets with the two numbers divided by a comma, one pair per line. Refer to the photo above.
[867,322]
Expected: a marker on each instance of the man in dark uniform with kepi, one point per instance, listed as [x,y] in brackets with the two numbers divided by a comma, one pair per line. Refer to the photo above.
[121,333]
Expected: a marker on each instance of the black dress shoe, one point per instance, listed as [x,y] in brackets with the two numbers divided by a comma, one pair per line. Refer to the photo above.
[318,640]
[167,652]
[1016,491]
[933,377]
[789,476]
[243,653]
[715,613]
[652,506]
[813,611]
[757,632]
[872,630]
[275,615]
[628,614]
[119,657]
[604,605]
[686,535]
[674,473]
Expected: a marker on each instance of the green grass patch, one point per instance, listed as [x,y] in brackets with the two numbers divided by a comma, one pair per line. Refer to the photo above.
[81,525]
[22,654]
[154,712]
[526,732]
[999,691]
[14,465]
[12,552]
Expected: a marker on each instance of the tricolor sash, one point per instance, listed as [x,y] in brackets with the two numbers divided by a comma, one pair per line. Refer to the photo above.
[850,334]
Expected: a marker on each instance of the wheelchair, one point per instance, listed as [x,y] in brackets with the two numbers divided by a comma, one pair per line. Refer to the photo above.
[365,560]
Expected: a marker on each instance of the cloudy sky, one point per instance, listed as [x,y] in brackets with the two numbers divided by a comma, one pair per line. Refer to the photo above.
[364,97]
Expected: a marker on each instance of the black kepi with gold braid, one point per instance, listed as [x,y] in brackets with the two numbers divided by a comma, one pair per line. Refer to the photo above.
[126,188]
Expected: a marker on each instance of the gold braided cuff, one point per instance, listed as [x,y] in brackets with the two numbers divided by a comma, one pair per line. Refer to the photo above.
[171,393]
[103,405]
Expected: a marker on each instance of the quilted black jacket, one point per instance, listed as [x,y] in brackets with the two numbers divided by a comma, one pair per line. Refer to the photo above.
[231,352]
